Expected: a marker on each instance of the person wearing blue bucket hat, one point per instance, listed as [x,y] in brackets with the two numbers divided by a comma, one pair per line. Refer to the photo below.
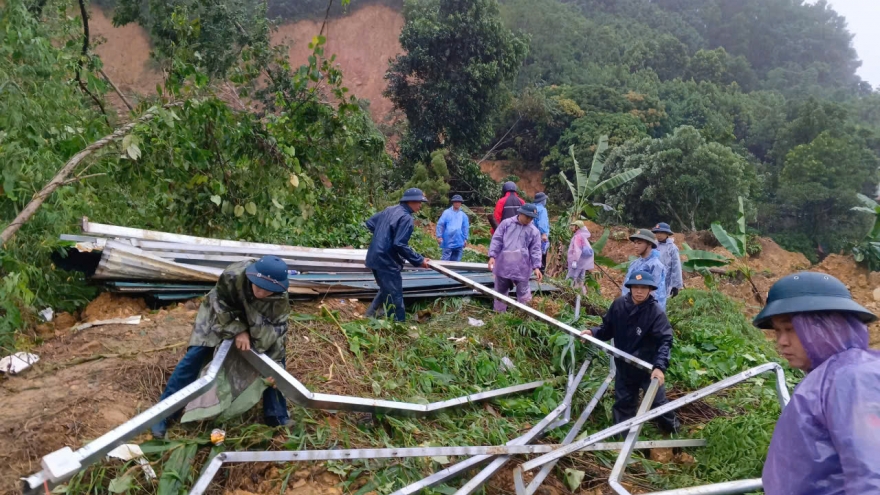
[639,326]
[670,257]
[248,304]
[389,249]
[453,230]
[645,243]
[827,439]
[515,254]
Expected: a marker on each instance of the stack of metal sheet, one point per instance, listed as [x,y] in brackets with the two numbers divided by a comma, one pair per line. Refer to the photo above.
[167,266]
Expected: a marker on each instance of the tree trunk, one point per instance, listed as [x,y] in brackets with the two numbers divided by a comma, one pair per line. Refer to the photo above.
[61,177]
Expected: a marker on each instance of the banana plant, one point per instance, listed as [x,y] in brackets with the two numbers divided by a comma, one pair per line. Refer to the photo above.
[588,185]
[868,250]
[736,244]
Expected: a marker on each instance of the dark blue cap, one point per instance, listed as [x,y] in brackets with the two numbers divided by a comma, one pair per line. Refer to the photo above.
[662,227]
[807,292]
[457,199]
[641,278]
[413,194]
[528,210]
[269,273]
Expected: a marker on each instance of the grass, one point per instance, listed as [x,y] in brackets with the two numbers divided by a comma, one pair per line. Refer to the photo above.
[418,362]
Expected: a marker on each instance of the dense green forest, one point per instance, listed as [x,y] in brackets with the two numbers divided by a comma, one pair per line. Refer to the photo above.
[711,99]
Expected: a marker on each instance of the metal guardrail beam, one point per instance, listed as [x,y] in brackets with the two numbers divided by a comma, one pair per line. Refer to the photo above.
[727,488]
[543,317]
[671,406]
[631,438]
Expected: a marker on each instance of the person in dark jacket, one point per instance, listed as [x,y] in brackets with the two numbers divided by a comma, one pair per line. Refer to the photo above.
[389,248]
[507,206]
[639,327]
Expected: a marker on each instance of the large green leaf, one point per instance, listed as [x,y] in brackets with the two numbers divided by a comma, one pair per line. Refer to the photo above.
[598,165]
[616,181]
[177,469]
[698,264]
[696,254]
[565,180]
[741,225]
[599,245]
[582,176]
[870,203]
[729,242]
[864,209]
[604,261]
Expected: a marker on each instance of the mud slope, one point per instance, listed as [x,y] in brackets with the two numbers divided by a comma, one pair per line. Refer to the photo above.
[363,42]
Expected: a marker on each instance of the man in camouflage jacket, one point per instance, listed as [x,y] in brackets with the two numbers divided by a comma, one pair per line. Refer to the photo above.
[248,304]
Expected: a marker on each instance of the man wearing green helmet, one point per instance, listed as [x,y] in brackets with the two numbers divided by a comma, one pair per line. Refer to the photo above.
[827,439]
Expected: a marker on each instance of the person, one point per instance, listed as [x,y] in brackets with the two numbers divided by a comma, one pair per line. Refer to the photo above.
[580,254]
[507,206]
[648,260]
[249,303]
[639,327]
[389,247]
[670,258]
[827,439]
[453,230]
[514,254]
[543,224]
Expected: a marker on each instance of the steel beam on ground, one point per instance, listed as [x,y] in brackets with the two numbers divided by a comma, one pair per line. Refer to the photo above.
[541,316]
[499,462]
[297,393]
[727,488]
[660,411]
[98,448]
[541,475]
[631,438]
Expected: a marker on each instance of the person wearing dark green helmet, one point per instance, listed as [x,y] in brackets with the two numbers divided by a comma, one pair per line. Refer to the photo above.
[827,439]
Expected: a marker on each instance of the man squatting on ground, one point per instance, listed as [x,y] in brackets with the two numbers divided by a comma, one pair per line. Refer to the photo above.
[392,228]
[453,230]
[514,254]
[249,303]
[639,327]
[670,257]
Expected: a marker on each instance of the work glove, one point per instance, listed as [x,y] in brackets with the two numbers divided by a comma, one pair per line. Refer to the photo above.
[674,291]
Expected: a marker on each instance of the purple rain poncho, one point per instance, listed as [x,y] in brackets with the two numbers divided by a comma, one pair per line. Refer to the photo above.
[580,254]
[827,440]
[516,249]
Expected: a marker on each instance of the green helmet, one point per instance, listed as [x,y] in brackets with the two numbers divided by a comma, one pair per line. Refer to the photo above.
[645,235]
[807,292]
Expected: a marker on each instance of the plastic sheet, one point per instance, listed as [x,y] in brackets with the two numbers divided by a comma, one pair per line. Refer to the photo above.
[828,437]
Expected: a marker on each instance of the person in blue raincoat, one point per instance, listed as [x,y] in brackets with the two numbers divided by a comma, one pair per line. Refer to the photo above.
[453,230]
[648,261]
[514,254]
[670,257]
[543,224]
[392,228]
[827,439]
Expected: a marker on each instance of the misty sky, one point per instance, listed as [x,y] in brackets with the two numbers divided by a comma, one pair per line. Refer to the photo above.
[863,18]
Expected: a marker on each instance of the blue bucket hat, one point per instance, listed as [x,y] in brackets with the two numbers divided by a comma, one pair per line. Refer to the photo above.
[528,210]
[540,198]
[508,187]
[641,278]
[269,273]
[808,292]
[413,194]
[457,199]
[663,228]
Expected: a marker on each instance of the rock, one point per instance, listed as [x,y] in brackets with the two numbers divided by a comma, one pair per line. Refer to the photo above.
[661,455]
[685,458]
[63,321]
[877,294]
[301,474]
[863,281]
[45,331]
[299,483]
[874,278]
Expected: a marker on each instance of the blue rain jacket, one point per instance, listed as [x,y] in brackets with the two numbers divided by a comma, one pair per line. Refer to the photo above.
[655,267]
[672,261]
[391,228]
[454,228]
[827,439]
[543,224]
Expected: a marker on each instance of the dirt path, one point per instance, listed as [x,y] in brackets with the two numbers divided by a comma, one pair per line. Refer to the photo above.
[60,403]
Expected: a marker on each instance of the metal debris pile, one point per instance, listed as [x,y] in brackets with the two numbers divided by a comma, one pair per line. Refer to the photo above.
[167,267]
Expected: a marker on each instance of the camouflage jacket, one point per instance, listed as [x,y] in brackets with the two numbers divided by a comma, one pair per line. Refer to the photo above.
[231,308]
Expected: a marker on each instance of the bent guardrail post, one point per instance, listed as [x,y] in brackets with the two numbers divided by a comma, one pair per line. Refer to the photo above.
[626,425]
[631,438]
[541,316]
[63,464]
[297,393]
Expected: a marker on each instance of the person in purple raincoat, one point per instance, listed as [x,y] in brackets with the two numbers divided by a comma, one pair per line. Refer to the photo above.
[827,439]
[514,254]
[580,255]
